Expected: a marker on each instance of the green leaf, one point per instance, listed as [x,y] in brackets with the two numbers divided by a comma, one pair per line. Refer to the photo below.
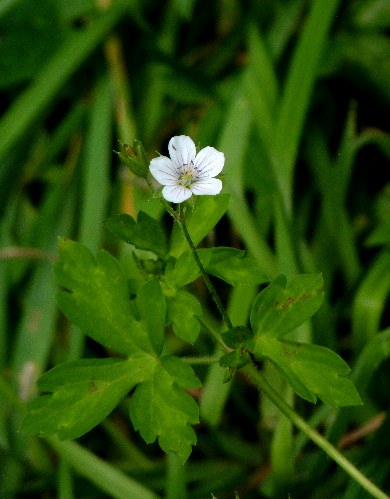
[182,373]
[159,409]
[185,270]
[280,308]
[206,214]
[153,312]
[183,310]
[311,370]
[232,266]
[145,233]
[95,297]
[83,393]
[229,264]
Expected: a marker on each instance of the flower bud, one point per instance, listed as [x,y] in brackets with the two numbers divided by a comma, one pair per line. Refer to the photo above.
[134,157]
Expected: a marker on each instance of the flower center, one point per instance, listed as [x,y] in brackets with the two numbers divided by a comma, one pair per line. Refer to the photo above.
[188,177]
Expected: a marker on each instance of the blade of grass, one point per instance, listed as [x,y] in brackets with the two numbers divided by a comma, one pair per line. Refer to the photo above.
[234,145]
[36,98]
[370,301]
[95,181]
[297,93]
[96,167]
[100,473]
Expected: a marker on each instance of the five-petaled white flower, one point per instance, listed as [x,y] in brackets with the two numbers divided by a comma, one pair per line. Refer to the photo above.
[185,172]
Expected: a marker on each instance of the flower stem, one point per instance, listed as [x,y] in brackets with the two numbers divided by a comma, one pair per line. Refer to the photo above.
[209,284]
[261,382]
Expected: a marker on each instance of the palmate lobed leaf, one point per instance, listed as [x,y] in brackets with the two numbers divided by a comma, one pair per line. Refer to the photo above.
[282,307]
[311,370]
[95,297]
[160,409]
[83,393]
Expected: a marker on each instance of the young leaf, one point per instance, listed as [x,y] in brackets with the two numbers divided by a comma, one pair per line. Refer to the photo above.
[159,409]
[145,233]
[153,311]
[311,370]
[280,308]
[182,311]
[95,298]
[83,393]
[206,214]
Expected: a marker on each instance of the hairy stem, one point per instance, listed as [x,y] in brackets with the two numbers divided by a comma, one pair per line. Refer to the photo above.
[205,276]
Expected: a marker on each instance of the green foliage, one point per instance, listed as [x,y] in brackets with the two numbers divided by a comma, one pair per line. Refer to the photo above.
[145,233]
[200,221]
[95,297]
[311,370]
[160,410]
[282,307]
[296,96]
[185,305]
[82,394]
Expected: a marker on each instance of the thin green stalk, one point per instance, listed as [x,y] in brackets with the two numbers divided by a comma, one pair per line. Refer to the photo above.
[324,444]
[206,278]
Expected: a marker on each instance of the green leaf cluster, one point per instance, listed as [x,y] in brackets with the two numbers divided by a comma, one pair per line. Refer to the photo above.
[311,370]
[95,296]
[78,395]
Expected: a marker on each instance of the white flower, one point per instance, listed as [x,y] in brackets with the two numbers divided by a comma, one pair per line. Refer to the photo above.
[185,172]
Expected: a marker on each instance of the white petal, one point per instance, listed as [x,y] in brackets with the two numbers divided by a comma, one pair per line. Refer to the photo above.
[207,186]
[164,171]
[176,193]
[181,150]
[209,162]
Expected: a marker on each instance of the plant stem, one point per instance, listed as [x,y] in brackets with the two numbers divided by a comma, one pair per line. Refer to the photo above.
[206,278]
[261,382]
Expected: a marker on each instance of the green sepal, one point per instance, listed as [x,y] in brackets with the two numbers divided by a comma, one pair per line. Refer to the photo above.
[145,233]
[134,157]
[82,394]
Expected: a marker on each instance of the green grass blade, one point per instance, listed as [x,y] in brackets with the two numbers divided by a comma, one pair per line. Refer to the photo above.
[297,92]
[96,168]
[370,301]
[36,98]
[109,479]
